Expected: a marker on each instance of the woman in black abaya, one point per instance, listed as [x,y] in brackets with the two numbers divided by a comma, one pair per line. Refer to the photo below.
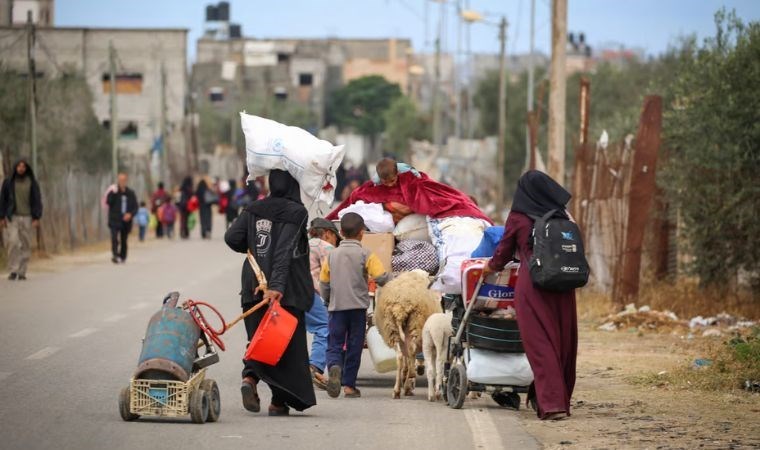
[274,230]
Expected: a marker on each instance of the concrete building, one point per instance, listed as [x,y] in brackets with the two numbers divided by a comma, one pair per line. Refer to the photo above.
[140,56]
[15,12]
[230,68]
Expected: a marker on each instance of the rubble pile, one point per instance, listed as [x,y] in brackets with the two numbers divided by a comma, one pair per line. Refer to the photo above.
[647,319]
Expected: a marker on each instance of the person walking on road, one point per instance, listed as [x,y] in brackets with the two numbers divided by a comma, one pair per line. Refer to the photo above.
[122,207]
[185,195]
[323,238]
[548,319]
[231,210]
[143,219]
[274,231]
[158,198]
[20,212]
[206,199]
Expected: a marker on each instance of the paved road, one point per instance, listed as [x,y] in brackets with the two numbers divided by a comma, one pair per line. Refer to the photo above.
[70,339]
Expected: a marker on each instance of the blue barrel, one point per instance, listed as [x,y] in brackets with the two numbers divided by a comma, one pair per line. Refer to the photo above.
[170,344]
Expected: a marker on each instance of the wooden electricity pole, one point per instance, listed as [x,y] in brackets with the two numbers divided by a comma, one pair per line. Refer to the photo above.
[30,42]
[502,109]
[557,89]
[164,144]
[114,115]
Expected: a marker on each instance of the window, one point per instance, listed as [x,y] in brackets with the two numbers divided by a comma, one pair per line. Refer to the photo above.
[126,83]
[280,93]
[216,95]
[127,129]
[305,79]
[283,57]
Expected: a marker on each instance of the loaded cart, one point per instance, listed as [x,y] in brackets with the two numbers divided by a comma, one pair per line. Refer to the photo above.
[486,353]
[170,380]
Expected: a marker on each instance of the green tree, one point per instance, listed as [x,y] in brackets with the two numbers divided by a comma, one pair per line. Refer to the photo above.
[403,122]
[712,133]
[361,105]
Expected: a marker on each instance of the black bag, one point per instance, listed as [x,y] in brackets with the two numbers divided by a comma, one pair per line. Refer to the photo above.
[559,261]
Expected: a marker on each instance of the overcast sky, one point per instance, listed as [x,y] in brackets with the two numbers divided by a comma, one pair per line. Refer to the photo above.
[647,24]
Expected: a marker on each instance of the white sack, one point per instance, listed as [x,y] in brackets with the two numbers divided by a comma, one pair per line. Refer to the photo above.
[487,367]
[377,219]
[311,161]
[414,227]
[455,238]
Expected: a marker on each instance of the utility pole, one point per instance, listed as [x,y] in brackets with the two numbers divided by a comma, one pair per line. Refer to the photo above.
[114,115]
[30,43]
[164,144]
[529,141]
[502,109]
[557,97]
[437,84]
[457,78]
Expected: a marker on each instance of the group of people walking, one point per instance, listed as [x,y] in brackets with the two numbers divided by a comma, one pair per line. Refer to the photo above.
[274,231]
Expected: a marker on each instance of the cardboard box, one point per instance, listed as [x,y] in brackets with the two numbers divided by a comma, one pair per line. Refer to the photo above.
[382,244]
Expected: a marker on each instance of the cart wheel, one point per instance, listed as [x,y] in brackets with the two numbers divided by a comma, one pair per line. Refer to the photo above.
[199,406]
[215,401]
[456,386]
[126,414]
[507,399]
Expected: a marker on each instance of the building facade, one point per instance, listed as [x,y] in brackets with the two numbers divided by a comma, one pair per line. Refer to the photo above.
[140,57]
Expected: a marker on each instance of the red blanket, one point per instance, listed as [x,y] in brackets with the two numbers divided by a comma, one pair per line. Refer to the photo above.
[423,195]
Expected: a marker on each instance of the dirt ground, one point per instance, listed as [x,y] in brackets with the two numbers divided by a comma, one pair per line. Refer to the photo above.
[612,411]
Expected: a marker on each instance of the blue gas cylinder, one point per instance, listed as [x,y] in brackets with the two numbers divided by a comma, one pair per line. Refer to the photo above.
[170,344]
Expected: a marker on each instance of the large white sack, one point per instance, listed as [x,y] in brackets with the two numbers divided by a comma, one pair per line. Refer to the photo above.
[487,367]
[455,238]
[414,227]
[312,161]
[376,218]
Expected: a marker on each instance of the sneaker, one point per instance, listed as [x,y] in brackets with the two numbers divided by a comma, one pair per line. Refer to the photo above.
[333,381]
[251,400]
[115,260]
[275,411]
[22,277]
[319,380]
[350,392]
[556,416]
[12,276]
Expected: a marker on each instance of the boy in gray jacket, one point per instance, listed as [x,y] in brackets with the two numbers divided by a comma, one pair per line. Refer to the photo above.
[344,285]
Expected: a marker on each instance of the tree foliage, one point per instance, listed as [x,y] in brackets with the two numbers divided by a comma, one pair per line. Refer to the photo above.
[713,135]
[361,104]
[404,122]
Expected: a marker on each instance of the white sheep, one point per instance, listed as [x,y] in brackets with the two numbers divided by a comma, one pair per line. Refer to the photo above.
[403,305]
[435,341]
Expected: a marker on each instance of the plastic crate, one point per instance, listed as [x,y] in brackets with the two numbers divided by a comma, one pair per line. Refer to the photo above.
[162,398]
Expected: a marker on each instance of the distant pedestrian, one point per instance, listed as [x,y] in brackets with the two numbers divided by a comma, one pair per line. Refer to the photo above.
[344,285]
[323,238]
[158,198]
[167,216]
[184,205]
[206,199]
[122,206]
[231,208]
[20,210]
[142,218]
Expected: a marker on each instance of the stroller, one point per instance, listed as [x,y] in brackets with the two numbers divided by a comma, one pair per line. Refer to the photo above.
[485,354]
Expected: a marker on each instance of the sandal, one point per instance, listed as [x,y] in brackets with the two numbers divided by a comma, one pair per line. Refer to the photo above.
[333,381]
[251,401]
[349,392]
[276,411]
[319,379]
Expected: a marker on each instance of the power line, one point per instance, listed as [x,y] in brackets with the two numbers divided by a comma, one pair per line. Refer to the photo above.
[50,57]
[12,44]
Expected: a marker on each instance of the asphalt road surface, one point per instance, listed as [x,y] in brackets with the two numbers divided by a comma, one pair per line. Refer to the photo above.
[71,335]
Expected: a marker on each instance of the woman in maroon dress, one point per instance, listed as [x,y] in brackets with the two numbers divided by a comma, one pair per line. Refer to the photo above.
[547,319]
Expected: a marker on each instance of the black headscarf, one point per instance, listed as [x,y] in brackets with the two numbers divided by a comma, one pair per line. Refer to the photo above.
[284,201]
[282,184]
[537,194]
[187,185]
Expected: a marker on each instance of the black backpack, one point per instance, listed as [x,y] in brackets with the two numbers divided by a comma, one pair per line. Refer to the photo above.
[559,261]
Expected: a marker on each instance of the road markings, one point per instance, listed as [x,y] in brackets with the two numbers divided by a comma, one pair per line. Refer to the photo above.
[138,306]
[83,333]
[232,437]
[485,435]
[4,375]
[42,354]
[115,318]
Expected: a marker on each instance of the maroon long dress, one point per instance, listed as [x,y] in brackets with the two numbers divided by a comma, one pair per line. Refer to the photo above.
[547,320]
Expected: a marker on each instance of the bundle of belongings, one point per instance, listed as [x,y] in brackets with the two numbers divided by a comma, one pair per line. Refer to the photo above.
[311,161]
[437,227]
